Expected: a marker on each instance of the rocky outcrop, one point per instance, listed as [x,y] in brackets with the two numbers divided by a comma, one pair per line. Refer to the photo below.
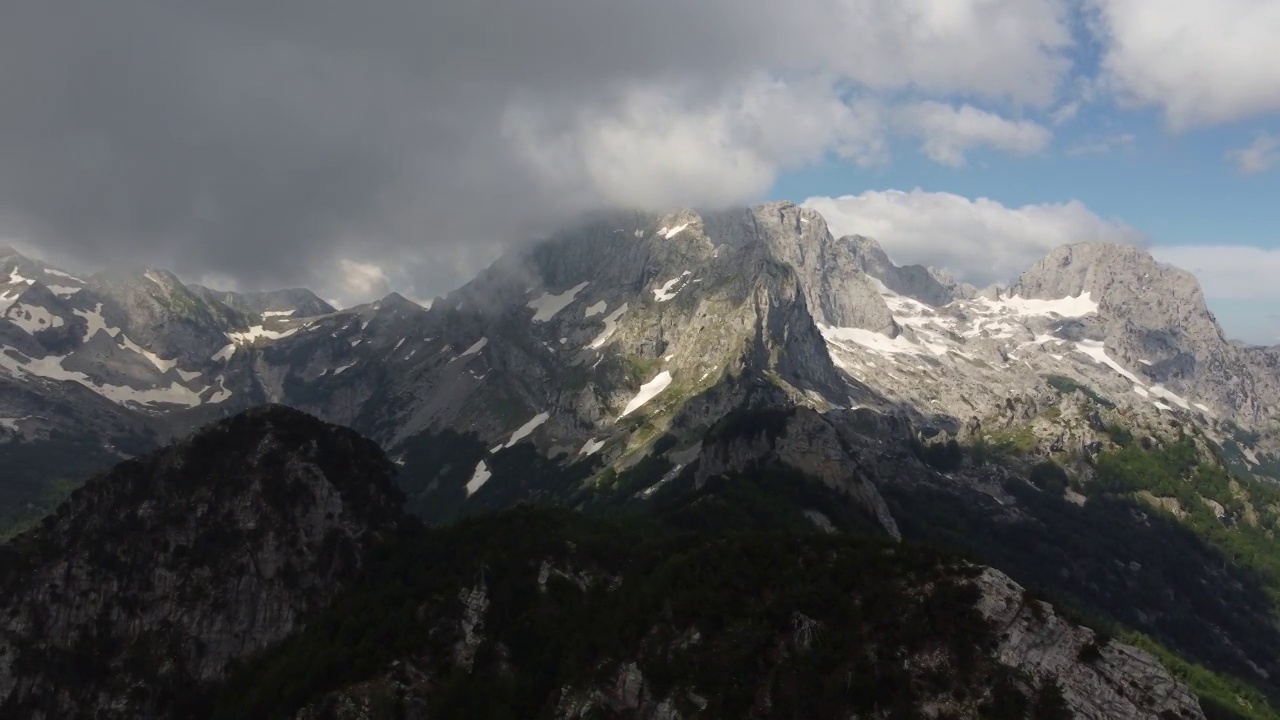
[928,285]
[804,441]
[1099,678]
[836,289]
[152,578]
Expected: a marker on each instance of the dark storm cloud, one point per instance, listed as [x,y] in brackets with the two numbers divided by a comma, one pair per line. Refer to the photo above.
[262,140]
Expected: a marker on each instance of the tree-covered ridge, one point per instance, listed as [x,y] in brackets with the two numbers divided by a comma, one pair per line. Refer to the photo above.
[823,626]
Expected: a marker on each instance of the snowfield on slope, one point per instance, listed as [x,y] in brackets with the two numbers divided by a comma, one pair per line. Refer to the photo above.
[648,391]
[547,305]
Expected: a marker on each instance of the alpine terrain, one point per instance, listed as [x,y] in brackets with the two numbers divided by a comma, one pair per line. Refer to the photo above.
[734,396]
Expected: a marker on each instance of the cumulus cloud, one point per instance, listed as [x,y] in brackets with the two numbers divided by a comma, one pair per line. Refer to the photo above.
[1261,155]
[981,241]
[948,132]
[267,142]
[1201,61]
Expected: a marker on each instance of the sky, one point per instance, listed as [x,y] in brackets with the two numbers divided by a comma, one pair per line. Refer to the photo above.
[357,148]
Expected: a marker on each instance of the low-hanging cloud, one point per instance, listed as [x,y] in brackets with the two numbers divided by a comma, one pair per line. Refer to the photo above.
[981,241]
[266,141]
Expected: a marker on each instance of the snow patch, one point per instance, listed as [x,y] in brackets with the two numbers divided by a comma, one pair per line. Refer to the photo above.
[477,347]
[95,322]
[187,376]
[668,234]
[397,347]
[15,277]
[51,367]
[648,391]
[32,318]
[7,300]
[222,394]
[610,327]
[524,430]
[478,478]
[1095,350]
[257,332]
[595,309]
[161,365]
[649,491]
[59,273]
[63,290]
[664,293]
[344,368]
[546,306]
[150,275]
[1161,392]
[278,313]
[591,447]
[1073,307]
[225,353]
[873,341]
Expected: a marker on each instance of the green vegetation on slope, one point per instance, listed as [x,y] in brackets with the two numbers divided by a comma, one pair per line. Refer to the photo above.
[1149,552]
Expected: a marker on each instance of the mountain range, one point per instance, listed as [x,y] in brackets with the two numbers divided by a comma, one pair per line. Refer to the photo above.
[1088,429]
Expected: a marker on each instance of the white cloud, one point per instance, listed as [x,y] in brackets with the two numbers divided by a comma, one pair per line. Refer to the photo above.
[948,132]
[361,282]
[662,147]
[1261,155]
[1228,272]
[1202,61]
[994,48]
[981,241]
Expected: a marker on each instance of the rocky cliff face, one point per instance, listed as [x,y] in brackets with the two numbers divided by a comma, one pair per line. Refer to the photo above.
[152,578]
[1099,678]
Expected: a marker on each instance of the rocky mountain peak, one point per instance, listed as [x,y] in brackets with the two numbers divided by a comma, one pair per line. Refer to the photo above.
[925,284]
[294,302]
[1110,273]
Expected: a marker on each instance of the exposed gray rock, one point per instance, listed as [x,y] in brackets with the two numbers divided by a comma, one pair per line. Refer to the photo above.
[928,285]
[162,572]
[1099,678]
